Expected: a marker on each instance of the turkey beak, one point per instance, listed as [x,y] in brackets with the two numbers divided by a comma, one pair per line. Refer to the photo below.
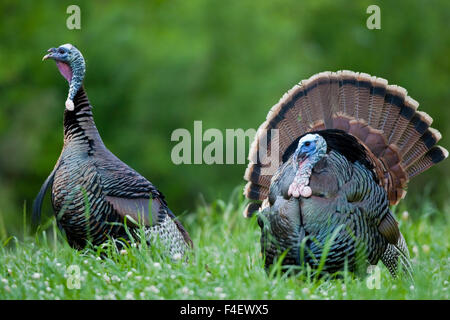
[299,157]
[49,55]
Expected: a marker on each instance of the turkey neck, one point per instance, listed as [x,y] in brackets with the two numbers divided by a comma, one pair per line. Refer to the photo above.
[79,125]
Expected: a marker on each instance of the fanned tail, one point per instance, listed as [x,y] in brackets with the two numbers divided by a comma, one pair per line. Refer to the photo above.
[383,117]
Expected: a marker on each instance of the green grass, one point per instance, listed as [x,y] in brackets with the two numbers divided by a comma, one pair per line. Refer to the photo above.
[226,264]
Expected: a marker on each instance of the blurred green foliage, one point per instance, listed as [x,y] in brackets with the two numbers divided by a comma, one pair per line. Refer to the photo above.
[156,66]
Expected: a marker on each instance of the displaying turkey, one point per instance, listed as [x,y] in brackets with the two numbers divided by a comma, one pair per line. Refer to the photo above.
[94,193]
[347,144]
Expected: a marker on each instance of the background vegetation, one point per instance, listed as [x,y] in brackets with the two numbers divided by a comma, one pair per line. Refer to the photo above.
[156,66]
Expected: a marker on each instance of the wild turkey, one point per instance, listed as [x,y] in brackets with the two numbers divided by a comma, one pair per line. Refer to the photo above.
[348,143]
[94,193]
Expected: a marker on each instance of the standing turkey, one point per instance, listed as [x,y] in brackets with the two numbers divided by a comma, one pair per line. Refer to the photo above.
[94,193]
[347,144]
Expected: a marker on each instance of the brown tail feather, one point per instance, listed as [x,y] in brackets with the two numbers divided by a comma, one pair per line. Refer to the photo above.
[253,175]
[333,97]
[348,92]
[255,192]
[325,103]
[364,84]
[433,156]
[419,123]
[377,94]
[407,111]
[381,116]
[425,143]
[394,99]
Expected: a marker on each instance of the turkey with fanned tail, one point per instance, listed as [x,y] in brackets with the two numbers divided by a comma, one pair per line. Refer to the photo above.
[347,144]
[94,194]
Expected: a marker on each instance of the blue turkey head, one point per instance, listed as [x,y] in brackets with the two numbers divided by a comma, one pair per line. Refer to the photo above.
[72,66]
[310,146]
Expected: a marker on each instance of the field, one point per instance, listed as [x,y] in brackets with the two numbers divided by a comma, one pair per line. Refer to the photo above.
[226,264]
[207,68]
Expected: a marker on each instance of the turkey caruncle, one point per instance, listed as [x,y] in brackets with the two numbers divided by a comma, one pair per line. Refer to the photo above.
[94,193]
[348,143]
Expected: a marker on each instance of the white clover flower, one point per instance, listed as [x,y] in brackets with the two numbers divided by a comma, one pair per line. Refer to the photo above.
[36,275]
[115,278]
[123,252]
[106,278]
[129,296]
[177,256]
[157,265]
[153,289]
[185,290]
[218,289]
[405,215]
[305,291]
